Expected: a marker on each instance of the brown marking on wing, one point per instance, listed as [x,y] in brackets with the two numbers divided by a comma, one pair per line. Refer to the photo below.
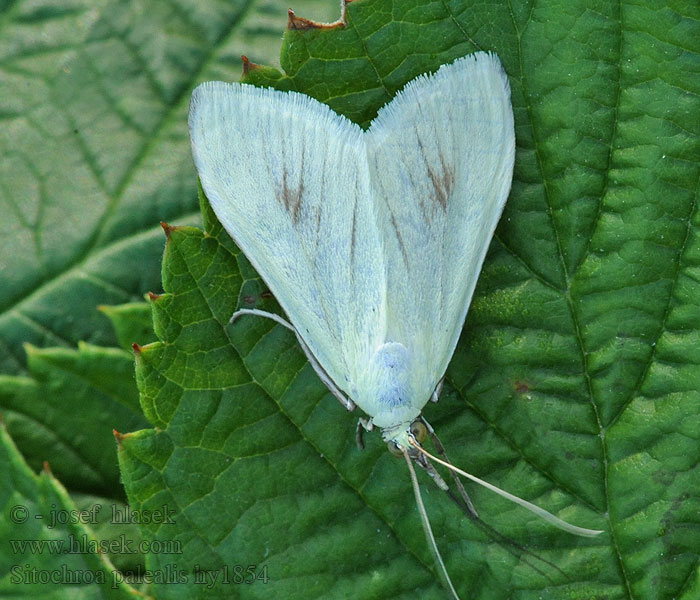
[352,235]
[424,210]
[318,224]
[398,237]
[443,183]
[443,180]
[291,197]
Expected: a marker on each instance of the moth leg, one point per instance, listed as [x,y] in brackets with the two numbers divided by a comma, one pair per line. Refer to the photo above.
[323,376]
[436,392]
[441,451]
[430,469]
[362,426]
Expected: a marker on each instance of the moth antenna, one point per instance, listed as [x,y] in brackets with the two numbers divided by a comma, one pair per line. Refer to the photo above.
[507,543]
[426,525]
[540,512]
[463,502]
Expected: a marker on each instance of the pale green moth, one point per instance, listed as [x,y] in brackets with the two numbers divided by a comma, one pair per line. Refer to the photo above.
[371,241]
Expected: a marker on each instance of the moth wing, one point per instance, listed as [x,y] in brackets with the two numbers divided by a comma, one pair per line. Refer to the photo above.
[289,181]
[440,158]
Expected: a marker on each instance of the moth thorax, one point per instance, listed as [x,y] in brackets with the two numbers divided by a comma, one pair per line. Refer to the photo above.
[389,387]
[390,367]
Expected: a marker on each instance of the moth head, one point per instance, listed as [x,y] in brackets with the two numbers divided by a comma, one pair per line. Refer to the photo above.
[417,431]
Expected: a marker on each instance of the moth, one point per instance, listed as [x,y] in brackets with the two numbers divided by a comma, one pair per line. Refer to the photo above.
[371,241]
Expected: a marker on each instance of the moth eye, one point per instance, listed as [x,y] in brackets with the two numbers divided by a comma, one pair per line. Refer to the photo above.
[394,449]
[419,431]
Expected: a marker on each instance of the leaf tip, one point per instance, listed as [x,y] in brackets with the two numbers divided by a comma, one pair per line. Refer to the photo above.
[153,297]
[167,228]
[247,65]
[47,468]
[137,349]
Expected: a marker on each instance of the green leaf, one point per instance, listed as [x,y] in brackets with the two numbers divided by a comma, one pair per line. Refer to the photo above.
[574,384]
[45,538]
[132,323]
[67,410]
[95,149]
[120,537]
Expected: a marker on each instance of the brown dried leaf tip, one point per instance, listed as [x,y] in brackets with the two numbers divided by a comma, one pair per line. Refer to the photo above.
[118,436]
[153,297]
[299,23]
[167,228]
[136,347]
[247,65]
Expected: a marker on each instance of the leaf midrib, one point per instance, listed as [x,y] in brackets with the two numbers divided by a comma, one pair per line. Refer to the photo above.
[567,293]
